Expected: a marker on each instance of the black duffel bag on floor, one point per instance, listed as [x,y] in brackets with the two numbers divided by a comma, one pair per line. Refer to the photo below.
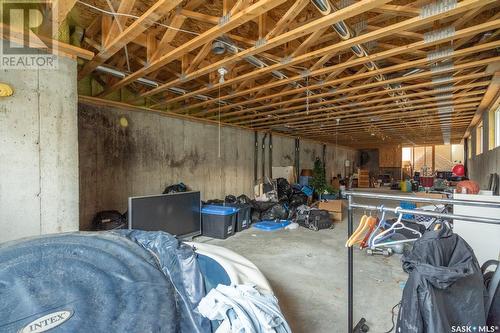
[313,218]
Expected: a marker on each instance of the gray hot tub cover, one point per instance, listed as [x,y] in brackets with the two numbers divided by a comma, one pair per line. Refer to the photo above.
[125,281]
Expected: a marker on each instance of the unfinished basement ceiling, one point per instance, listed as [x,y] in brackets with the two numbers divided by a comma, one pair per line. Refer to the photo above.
[360,73]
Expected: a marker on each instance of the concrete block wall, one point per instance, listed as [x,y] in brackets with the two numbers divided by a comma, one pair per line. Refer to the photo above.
[154,151]
[39,152]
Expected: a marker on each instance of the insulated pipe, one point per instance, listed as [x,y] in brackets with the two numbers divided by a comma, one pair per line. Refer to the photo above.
[297,158]
[264,157]
[324,160]
[256,158]
[270,155]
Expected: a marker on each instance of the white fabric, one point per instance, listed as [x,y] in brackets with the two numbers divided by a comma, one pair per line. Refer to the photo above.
[243,309]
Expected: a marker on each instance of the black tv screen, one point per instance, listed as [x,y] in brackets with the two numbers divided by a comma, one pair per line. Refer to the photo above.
[177,213]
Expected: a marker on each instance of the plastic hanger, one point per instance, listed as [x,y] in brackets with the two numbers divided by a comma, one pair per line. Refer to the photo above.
[380,224]
[359,235]
[361,224]
[398,225]
[360,229]
[372,224]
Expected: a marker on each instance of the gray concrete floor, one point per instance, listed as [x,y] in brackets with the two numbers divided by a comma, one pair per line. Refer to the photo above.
[308,272]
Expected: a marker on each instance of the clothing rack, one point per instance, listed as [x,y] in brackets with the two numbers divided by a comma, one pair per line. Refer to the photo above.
[381,208]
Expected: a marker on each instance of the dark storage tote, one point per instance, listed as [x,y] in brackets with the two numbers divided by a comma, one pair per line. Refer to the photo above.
[218,221]
[243,217]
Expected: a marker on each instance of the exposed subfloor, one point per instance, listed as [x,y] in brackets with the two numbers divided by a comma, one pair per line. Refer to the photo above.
[308,272]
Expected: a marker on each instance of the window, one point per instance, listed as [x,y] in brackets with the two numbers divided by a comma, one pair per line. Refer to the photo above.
[457,153]
[479,138]
[423,159]
[407,154]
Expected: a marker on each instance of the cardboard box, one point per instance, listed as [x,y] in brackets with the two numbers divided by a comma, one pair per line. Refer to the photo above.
[331,205]
[335,208]
[336,216]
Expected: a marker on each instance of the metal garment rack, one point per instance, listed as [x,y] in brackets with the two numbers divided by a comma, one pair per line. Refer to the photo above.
[381,208]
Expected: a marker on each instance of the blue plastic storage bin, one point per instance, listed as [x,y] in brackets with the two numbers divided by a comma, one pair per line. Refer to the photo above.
[307,190]
[410,206]
[304,180]
[271,225]
[218,221]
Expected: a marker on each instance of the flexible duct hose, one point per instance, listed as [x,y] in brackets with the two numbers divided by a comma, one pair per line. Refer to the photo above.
[5,90]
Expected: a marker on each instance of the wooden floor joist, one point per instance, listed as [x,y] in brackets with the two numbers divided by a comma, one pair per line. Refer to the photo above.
[161,54]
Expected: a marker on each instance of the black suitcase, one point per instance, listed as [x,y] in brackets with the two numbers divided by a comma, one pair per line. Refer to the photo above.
[319,219]
[314,219]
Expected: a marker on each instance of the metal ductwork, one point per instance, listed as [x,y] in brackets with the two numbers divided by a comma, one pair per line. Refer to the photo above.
[323,6]
[218,47]
[344,32]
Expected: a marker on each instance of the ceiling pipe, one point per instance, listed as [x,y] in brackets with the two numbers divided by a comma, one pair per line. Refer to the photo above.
[345,32]
[151,83]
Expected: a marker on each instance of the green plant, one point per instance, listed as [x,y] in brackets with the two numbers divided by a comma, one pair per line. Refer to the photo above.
[318,181]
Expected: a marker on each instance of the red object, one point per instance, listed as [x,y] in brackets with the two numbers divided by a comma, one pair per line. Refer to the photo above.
[468,186]
[458,170]
[427,181]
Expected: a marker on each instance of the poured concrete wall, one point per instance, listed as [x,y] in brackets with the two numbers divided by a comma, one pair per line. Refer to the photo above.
[284,155]
[481,166]
[154,151]
[39,152]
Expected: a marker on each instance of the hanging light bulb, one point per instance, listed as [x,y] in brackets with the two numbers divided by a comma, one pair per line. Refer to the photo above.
[222,71]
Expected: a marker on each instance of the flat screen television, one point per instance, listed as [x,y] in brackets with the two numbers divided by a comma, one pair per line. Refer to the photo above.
[178,214]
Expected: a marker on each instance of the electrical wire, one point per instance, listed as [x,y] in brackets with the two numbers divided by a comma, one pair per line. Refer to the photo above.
[392,318]
[114,13]
[168,27]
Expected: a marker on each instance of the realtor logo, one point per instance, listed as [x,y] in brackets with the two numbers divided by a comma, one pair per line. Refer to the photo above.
[26,30]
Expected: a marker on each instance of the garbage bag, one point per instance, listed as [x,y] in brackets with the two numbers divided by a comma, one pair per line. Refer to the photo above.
[298,199]
[120,281]
[176,188]
[243,199]
[279,211]
[284,189]
[445,287]
[109,220]
[230,199]
[214,202]
[261,206]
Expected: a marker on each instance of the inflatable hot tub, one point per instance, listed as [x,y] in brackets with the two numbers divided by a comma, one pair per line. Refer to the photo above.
[125,281]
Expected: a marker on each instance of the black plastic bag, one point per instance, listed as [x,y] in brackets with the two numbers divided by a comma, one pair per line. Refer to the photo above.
[214,202]
[279,211]
[230,199]
[176,188]
[261,206]
[109,220]
[243,199]
[298,199]
[284,189]
[445,287]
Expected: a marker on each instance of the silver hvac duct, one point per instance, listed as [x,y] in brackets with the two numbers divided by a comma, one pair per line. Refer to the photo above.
[148,82]
[229,44]
[344,32]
